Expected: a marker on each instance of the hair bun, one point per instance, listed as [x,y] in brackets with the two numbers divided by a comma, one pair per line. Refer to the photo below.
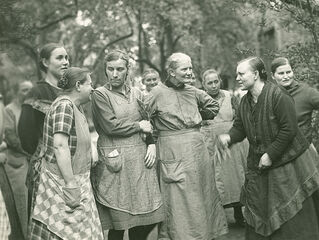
[63,82]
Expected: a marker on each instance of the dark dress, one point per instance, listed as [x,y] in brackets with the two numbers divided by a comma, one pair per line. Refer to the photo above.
[30,128]
[279,201]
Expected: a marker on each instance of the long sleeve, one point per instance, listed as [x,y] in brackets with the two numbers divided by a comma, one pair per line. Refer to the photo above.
[235,105]
[105,119]
[10,131]
[30,128]
[237,133]
[208,107]
[285,114]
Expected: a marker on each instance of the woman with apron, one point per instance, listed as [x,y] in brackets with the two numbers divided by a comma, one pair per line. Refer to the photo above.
[192,204]
[64,205]
[124,179]
[229,172]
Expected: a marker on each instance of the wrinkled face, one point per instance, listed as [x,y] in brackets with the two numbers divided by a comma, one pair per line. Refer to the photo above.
[24,89]
[86,89]
[211,84]
[245,76]
[184,71]
[284,75]
[116,72]
[57,63]
[150,81]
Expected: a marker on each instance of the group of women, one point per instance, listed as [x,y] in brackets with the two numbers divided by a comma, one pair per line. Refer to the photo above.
[178,179]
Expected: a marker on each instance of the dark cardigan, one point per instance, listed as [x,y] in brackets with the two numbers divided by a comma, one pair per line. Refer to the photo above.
[270,126]
[30,126]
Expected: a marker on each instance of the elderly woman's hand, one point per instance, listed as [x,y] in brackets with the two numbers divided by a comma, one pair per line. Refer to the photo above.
[223,141]
[150,156]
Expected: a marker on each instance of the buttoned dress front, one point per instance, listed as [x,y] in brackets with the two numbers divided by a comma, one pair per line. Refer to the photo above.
[192,205]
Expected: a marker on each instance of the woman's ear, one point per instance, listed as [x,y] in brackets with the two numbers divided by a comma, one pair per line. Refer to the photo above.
[77,86]
[45,62]
[171,72]
[256,74]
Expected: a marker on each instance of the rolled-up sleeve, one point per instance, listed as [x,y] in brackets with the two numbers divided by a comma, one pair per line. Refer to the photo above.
[105,119]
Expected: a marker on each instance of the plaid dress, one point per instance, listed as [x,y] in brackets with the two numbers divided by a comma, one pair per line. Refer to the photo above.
[51,217]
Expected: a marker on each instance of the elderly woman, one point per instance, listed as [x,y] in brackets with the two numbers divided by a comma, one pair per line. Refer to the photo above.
[17,165]
[281,173]
[150,78]
[54,61]
[229,172]
[64,205]
[191,202]
[124,179]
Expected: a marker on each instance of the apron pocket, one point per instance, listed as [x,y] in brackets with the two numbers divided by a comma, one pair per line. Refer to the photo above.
[172,172]
[114,164]
[112,158]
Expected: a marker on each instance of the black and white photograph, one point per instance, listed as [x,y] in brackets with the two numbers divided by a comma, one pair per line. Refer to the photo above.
[159,120]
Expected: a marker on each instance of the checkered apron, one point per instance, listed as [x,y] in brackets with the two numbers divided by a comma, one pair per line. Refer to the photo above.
[50,208]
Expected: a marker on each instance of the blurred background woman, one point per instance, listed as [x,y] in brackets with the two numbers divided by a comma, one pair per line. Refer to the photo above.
[191,201]
[17,165]
[229,172]
[54,61]
[64,205]
[124,179]
[150,78]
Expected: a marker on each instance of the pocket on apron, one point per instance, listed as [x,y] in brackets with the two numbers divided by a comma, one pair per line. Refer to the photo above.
[172,171]
[112,161]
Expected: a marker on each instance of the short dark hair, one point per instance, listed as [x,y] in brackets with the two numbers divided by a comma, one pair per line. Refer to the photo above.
[45,53]
[71,76]
[277,62]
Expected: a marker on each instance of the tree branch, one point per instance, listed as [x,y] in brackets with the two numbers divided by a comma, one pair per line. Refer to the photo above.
[66,16]
[149,63]
[101,53]
[304,5]
[28,47]
[175,41]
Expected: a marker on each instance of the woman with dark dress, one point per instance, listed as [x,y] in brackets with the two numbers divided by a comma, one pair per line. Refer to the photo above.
[124,180]
[17,165]
[10,227]
[282,176]
[54,61]
[306,98]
